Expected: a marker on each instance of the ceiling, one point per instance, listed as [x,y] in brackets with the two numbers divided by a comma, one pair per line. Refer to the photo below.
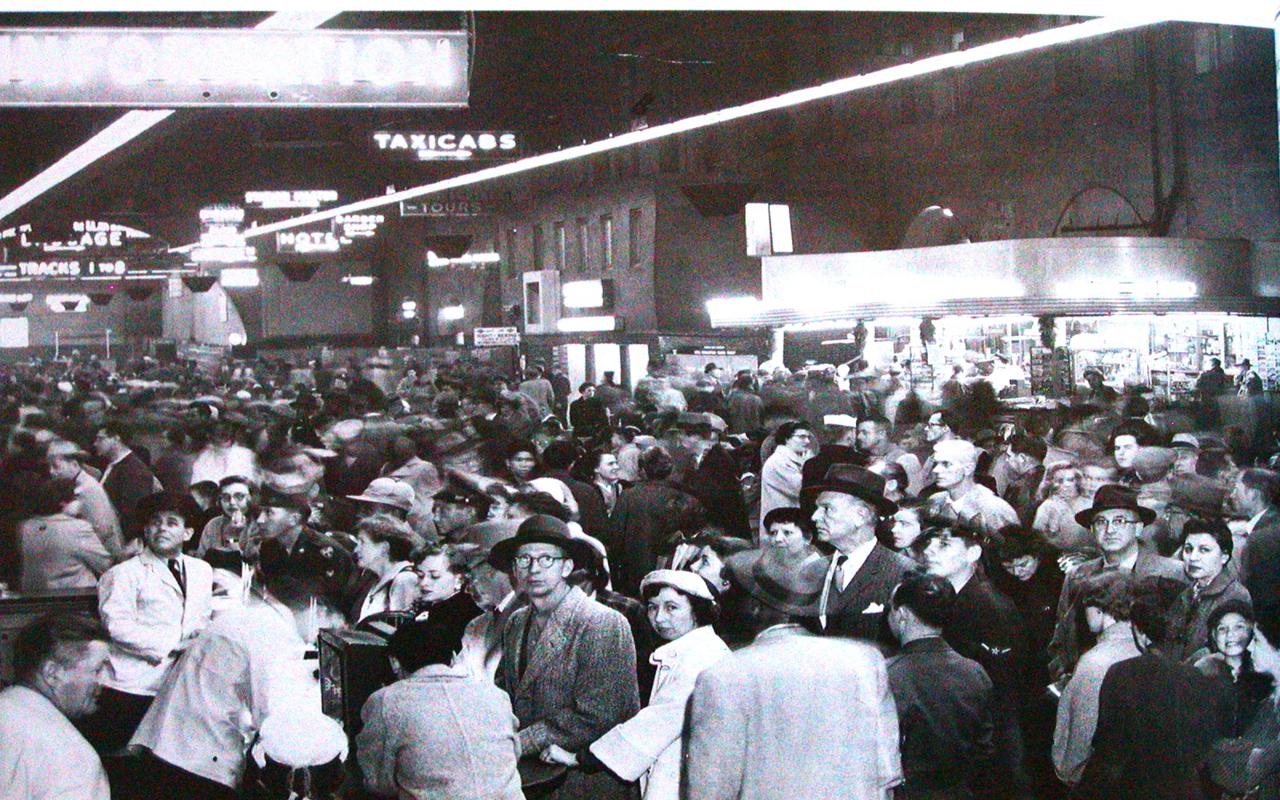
[559,78]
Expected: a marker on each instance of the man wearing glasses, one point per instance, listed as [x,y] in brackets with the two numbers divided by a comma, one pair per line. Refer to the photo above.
[1115,519]
[568,662]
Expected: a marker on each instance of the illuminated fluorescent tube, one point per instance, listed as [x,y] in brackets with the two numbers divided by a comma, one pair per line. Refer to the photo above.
[586,324]
[915,69]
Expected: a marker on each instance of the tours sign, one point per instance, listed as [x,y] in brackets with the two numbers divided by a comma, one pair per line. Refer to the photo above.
[173,67]
[447,145]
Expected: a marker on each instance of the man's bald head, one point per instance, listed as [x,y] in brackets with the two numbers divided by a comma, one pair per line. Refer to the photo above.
[954,462]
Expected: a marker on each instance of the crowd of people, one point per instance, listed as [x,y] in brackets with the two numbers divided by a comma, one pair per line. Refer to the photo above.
[764,585]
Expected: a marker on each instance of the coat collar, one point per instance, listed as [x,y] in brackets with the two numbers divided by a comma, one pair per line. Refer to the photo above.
[156,564]
[1219,584]
[697,639]
[777,632]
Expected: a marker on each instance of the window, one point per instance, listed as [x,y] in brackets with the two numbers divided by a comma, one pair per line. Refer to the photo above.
[606,242]
[561,247]
[633,237]
[580,243]
[509,254]
[537,246]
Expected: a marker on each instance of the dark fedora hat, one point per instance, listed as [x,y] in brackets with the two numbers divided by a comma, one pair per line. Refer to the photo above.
[792,587]
[1113,495]
[541,529]
[857,481]
[167,502]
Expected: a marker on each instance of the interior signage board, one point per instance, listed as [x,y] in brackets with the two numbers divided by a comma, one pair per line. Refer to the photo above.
[447,145]
[177,67]
[495,337]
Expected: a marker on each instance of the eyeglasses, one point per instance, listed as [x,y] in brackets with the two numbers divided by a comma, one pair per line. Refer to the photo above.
[543,561]
[1102,523]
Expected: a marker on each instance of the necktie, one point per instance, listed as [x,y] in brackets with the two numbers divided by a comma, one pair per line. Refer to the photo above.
[175,566]
[841,558]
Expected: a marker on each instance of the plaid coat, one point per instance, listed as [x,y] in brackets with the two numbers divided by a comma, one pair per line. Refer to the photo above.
[580,681]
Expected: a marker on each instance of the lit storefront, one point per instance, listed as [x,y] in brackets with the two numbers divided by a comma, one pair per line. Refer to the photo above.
[1037,312]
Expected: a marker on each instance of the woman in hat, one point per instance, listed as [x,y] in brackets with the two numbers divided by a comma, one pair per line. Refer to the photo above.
[383,547]
[1206,549]
[681,608]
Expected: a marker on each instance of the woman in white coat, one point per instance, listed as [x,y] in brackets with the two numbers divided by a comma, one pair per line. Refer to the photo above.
[647,747]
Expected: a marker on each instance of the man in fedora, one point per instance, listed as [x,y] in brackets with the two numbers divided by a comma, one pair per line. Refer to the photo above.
[568,662]
[862,573]
[792,715]
[1116,519]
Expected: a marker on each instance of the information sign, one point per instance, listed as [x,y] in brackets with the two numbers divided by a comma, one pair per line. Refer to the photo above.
[172,67]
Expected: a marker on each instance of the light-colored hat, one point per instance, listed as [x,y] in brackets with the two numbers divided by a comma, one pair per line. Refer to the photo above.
[1184,441]
[839,421]
[66,449]
[387,492]
[691,583]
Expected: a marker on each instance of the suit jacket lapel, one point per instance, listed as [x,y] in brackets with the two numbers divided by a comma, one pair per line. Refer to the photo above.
[853,596]
[553,640]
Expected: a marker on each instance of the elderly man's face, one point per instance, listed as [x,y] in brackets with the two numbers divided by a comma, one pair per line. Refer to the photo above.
[540,570]
[950,468]
[1126,449]
[840,518]
[75,685]
[1116,529]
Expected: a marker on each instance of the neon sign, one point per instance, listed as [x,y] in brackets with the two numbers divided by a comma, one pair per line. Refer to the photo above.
[307,242]
[447,145]
[308,198]
[356,226]
[171,67]
[92,249]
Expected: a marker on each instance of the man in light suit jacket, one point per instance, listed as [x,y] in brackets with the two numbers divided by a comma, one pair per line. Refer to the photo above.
[862,573]
[792,715]
[153,605]
[568,662]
